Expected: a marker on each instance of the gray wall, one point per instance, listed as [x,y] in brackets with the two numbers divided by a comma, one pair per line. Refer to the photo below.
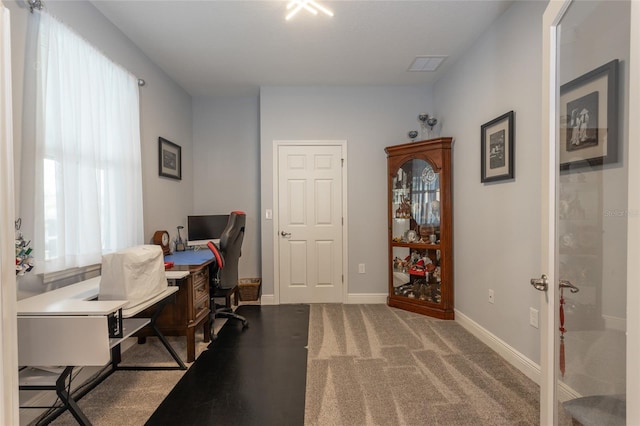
[497,226]
[226,167]
[369,119]
[165,109]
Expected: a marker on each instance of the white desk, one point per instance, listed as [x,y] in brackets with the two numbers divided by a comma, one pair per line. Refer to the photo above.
[65,327]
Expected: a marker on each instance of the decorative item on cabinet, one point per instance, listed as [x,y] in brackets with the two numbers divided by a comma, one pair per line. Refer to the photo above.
[431,122]
[420,227]
[422,118]
[413,134]
[426,121]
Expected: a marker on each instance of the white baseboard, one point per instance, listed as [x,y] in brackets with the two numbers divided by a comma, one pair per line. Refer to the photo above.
[268,299]
[354,298]
[512,356]
[366,298]
[614,323]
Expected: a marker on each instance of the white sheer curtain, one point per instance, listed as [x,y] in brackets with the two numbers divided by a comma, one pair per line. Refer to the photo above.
[88,176]
[8,331]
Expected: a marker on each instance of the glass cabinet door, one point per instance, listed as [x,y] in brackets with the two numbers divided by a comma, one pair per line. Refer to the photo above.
[415,230]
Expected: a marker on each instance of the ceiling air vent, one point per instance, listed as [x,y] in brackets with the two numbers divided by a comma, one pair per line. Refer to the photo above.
[426,63]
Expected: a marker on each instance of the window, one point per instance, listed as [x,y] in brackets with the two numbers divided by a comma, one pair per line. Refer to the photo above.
[88,174]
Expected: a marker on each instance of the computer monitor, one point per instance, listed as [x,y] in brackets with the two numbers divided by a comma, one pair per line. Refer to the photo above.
[204,228]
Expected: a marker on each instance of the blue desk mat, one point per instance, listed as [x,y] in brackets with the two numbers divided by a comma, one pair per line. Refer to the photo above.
[189,257]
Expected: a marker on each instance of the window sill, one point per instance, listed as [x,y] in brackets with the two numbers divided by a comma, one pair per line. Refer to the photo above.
[71,274]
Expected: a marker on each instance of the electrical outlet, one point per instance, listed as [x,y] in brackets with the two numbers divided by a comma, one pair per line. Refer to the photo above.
[491,296]
[361,268]
[533,317]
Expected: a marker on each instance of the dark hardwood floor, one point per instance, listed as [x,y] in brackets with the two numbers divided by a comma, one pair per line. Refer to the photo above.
[255,376]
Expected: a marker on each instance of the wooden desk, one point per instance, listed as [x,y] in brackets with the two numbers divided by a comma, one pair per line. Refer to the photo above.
[192,307]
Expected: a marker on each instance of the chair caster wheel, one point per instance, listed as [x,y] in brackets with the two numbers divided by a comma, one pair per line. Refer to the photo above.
[245,324]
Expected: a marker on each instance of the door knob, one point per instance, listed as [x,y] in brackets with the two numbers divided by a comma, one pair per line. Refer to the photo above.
[541,283]
[567,284]
[285,234]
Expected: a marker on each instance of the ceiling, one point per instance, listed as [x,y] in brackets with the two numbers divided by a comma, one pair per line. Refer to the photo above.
[232,47]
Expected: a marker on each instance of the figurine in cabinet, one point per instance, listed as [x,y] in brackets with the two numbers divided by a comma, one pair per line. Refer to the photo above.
[426,231]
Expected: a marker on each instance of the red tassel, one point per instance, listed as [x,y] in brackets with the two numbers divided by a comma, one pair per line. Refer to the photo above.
[562,330]
[562,366]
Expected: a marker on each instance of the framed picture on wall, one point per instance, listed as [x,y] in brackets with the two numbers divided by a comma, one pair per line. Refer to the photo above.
[497,149]
[170,159]
[589,118]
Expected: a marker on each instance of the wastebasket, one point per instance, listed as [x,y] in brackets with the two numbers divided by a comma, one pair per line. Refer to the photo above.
[249,289]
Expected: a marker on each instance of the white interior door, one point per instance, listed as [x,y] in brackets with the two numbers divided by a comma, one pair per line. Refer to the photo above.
[309,223]
[585,213]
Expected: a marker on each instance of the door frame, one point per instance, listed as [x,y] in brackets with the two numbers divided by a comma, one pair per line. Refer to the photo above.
[633,223]
[549,309]
[548,357]
[276,214]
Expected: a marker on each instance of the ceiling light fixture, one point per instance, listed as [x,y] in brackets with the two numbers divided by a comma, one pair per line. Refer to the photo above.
[310,6]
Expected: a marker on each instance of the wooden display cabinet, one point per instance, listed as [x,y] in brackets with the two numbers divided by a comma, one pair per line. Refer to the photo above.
[420,227]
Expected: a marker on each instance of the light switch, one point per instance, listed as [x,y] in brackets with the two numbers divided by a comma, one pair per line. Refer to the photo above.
[268,214]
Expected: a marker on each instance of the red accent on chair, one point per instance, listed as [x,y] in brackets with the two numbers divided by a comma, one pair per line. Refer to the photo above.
[216,254]
[562,331]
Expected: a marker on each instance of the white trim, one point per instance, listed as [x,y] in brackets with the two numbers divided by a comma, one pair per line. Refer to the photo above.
[79,273]
[9,399]
[614,323]
[548,300]
[633,230]
[275,179]
[511,355]
[351,299]
[276,225]
[366,298]
[268,299]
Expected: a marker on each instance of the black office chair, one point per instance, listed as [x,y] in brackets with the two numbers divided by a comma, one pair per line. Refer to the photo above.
[225,272]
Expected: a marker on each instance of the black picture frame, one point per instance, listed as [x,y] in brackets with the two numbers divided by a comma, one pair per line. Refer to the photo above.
[497,148]
[169,159]
[588,112]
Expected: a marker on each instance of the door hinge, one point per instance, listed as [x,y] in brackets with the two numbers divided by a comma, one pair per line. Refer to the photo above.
[342,162]
[342,278]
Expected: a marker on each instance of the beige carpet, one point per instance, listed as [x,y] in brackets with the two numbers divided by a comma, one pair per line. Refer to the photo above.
[130,397]
[375,365]
[367,365]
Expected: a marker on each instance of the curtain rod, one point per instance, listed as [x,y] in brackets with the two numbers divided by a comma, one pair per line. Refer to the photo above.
[38,4]
[35,4]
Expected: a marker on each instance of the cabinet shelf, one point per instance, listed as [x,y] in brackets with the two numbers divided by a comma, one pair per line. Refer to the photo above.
[420,207]
[418,246]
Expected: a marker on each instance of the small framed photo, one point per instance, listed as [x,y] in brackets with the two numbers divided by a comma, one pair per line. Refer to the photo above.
[497,149]
[170,159]
[589,118]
